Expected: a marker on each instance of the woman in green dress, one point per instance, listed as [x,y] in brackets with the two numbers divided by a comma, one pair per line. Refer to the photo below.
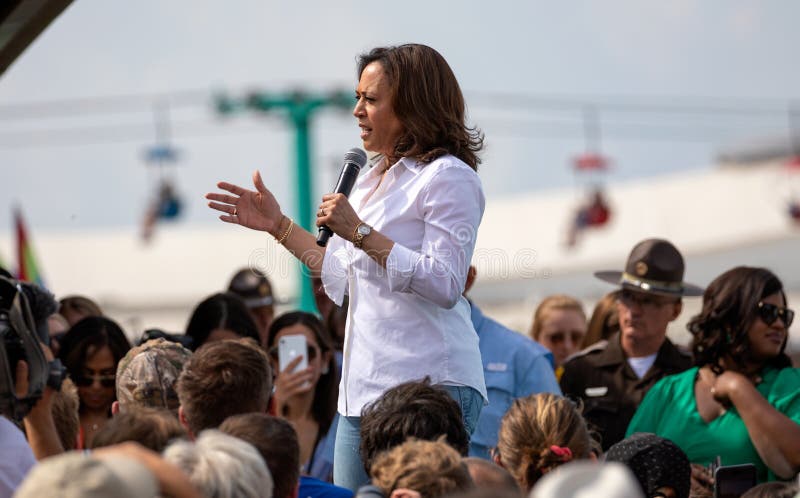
[741,401]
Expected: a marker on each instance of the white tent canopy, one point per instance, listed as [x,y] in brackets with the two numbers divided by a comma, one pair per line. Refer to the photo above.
[718,218]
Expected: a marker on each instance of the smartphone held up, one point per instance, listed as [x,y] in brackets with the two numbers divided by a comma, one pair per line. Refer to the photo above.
[289,348]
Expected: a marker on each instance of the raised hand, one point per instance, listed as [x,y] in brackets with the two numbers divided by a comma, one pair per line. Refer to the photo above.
[289,383]
[729,383]
[252,209]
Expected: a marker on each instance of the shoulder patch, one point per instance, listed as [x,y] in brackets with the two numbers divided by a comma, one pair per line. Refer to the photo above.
[497,367]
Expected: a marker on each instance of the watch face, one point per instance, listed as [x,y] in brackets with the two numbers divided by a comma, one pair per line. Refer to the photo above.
[364,229]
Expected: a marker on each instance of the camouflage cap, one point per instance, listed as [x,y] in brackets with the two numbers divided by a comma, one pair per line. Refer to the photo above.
[147,375]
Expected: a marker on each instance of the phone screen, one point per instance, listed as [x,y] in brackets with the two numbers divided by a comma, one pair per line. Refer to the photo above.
[732,481]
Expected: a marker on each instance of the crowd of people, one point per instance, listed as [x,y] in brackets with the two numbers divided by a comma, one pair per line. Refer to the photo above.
[400,386]
[210,413]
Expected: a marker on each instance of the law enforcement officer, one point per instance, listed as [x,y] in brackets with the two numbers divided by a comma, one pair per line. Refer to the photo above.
[613,376]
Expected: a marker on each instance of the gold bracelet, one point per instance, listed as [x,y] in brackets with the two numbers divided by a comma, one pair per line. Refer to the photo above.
[286,234]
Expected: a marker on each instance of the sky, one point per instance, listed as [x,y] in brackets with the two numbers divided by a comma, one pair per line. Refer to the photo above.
[672,83]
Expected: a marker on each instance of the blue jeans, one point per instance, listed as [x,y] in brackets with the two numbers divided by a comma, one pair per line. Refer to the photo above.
[348,470]
[471,403]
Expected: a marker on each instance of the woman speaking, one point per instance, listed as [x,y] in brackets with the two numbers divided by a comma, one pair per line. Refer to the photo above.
[405,241]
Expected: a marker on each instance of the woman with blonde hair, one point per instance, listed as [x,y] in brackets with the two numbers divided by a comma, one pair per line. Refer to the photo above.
[75,308]
[559,324]
[539,433]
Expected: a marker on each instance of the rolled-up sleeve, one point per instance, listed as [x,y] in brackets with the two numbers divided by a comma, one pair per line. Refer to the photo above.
[335,266]
[452,205]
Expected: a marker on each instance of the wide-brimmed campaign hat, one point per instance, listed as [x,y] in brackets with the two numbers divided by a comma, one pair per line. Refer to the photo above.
[654,266]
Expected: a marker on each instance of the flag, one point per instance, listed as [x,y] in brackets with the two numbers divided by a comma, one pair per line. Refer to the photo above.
[28,268]
[3,266]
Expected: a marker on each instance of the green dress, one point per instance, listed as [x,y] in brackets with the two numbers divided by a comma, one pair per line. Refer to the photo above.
[670,411]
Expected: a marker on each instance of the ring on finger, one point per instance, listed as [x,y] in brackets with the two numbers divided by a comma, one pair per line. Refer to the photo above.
[321,212]
[235,212]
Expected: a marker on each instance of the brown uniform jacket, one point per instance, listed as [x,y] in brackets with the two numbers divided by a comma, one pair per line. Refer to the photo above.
[601,377]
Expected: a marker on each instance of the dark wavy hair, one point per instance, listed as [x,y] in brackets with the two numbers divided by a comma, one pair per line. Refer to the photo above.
[428,102]
[88,336]
[223,310]
[326,393]
[415,409]
[730,308]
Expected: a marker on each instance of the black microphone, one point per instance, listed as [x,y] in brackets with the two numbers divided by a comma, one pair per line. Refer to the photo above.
[354,160]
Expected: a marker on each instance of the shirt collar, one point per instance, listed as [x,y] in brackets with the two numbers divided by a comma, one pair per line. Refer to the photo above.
[408,163]
[668,354]
[614,355]
[411,164]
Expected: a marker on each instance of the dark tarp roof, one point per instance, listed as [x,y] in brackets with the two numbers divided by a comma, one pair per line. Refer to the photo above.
[21,21]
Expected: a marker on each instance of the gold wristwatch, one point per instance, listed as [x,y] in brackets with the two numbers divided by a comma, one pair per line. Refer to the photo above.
[361,231]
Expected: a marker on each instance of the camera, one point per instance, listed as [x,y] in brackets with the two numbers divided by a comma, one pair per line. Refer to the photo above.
[19,342]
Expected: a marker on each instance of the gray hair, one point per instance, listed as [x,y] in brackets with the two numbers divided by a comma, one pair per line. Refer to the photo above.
[222,466]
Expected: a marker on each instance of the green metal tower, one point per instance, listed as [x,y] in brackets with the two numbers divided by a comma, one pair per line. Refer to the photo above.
[298,108]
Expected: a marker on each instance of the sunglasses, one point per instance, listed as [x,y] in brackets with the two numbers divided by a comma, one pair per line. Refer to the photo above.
[769,313]
[311,352]
[88,380]
[560,337]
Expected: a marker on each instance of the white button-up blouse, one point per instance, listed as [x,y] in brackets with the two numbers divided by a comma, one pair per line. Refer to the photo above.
[409,320]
